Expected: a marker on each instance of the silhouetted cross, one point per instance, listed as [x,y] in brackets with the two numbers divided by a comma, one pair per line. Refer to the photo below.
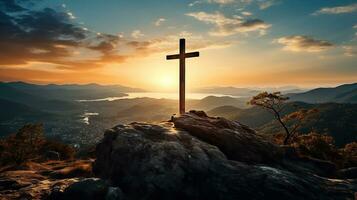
[182,56]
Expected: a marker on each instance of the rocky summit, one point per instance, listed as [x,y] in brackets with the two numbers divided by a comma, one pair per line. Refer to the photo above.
[193,156]
[201,157]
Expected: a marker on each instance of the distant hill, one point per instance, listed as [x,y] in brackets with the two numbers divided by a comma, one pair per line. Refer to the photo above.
[13,113]
[346,93]
[242,92]
[338,120]
[15,95]
[71,92]
[253,116]
[30,98]
[91,86]
[148,112]
[58,98]
[247,92]
[11,110]
[211,102]
[225,111]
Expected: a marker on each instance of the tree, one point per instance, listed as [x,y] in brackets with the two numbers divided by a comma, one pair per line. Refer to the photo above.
[275,103]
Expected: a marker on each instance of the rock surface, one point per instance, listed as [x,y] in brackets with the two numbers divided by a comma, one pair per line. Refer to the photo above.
[350,173]
[37,180]
[88,189]
[192,157]
[199,157]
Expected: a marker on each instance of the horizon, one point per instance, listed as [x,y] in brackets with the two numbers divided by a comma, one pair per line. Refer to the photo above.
[192,90]
[271,43]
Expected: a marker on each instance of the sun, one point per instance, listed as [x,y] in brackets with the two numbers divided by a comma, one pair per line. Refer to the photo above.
[166,82]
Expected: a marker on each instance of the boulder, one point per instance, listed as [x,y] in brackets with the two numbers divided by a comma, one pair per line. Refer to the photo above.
[350,173]
[52,155]
[199,157]
[237,141]
[88,189]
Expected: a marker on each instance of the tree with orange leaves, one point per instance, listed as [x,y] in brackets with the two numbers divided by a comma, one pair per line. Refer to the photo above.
[275,103]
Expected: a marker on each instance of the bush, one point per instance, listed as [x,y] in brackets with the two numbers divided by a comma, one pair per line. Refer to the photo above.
[29,143]
[65,151]
[23,145]
[323,147]
[316,145]
[349,153]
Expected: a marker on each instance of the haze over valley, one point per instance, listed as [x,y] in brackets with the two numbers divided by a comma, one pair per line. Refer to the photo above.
[64,116]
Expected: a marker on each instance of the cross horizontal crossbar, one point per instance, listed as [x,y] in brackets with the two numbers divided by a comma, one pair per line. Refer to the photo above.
[187,55]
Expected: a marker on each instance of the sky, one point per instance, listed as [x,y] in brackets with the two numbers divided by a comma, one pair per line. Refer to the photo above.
[242,43]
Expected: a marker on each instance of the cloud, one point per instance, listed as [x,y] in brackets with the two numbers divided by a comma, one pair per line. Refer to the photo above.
[221,1]
[70,15]
[105,42]
[159,21]
[137,34]
[246,13]
[194,3]
[337,10]
[350,50]
[169,43]
[44,30]
[298,43]
[52,36]
[11,6]
[264,4]
[225,26]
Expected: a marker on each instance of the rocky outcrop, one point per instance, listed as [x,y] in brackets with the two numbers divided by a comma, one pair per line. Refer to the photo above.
[199,157]
[237,141]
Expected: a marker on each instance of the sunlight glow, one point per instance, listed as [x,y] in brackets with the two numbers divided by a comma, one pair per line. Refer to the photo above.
[167,82]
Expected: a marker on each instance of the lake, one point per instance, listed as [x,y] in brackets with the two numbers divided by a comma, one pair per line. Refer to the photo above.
[86,115]
[159,95]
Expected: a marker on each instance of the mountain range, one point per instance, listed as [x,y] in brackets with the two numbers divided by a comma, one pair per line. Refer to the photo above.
[335,119]
[247,92]
[346,93]
[57,108]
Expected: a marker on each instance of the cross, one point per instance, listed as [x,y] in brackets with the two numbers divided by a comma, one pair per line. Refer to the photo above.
[182,56]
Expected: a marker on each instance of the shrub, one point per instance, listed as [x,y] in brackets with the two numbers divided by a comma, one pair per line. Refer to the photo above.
[349,153]
[23,145]
[65,151]
[29,143]
[323,147]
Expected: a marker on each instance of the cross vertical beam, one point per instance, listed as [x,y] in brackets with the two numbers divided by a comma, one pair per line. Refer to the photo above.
[182,57]
[182,76]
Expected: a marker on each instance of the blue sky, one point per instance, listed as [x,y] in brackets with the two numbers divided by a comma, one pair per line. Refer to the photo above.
[289,17]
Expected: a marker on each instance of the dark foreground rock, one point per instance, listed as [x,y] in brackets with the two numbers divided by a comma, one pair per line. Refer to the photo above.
[350,173]
[31,181]
[88,189]
[198,157]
